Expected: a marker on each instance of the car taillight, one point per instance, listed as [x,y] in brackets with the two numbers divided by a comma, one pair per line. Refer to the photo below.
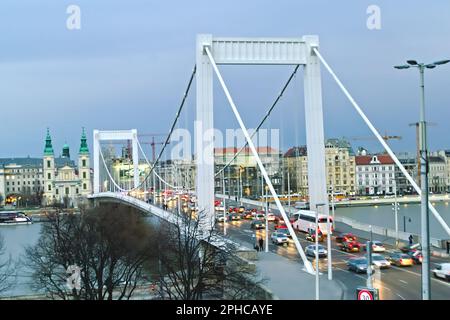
[401,260]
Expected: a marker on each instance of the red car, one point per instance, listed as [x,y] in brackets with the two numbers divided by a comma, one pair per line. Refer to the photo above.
[345,237]
[280,224]
[351,246]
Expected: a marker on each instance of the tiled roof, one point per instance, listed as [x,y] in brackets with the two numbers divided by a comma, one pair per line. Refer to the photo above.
[436,159]
[365,160]
[296,152]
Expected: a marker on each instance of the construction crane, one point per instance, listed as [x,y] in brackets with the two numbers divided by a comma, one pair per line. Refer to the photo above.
[386,137]
[416,124]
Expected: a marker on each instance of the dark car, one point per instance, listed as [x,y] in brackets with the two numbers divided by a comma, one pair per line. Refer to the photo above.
[344,237]
[416,255]
[358,265]
[311,236]
[257,224]
[400,259]
[234,217]
[351,246]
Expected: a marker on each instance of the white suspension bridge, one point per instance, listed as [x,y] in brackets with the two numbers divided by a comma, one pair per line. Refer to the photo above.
[213,51]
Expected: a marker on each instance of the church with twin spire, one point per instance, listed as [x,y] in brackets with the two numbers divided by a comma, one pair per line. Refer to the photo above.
[66,182]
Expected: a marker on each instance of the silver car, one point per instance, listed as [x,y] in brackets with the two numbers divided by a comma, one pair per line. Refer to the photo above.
[311,251]
[279,238]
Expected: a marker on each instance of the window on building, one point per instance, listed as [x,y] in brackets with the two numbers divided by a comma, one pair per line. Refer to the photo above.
[57,191]
[49,187]
[84,186]
[77,191]
[49,176]
[48,164]
[84,175]
[67,191]
[84,162]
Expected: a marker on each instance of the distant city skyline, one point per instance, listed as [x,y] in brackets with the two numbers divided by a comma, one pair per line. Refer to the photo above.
[129,63]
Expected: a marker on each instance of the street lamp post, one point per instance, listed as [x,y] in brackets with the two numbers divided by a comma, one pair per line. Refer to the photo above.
[224,205]
[317,249]
[425,227]
[395,204]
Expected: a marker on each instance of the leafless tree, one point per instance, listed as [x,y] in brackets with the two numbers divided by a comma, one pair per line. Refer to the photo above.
[197,263]
[7,274]
[111,244]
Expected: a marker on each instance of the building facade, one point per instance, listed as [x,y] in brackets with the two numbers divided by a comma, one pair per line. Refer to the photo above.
[339,163]
[66,182]
[375,174]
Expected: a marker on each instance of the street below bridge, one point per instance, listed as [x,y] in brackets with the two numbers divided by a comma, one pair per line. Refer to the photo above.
[394,283]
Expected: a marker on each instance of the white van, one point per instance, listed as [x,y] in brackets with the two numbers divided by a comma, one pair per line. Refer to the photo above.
[442,271]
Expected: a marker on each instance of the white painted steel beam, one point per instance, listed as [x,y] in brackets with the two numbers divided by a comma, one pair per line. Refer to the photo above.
[306,262]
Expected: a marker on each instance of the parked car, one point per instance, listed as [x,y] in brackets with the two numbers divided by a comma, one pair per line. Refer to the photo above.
[442,271]
[343,237]
[400,259]
[380,261]
[311,251]
[257,224]
[279,238]
[351,246]
[377,246]
[358,265]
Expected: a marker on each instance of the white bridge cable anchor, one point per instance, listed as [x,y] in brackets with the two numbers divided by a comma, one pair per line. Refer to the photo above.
[306,262]
[383,143]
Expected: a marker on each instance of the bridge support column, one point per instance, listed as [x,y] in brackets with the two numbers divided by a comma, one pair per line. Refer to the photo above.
[96,162]
[315,142]
[204,138]
[135,157]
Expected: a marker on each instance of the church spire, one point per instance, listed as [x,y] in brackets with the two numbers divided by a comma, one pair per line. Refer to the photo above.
[48,151]
[83,146]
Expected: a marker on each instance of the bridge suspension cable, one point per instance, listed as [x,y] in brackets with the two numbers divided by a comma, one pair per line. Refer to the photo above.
[152,167]
[269,111]
[177,116]
[380,138]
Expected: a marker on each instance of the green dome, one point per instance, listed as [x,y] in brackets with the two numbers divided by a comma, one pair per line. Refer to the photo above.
[66,151]
[48,150]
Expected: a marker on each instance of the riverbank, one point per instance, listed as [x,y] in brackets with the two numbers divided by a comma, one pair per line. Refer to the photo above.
[389,200]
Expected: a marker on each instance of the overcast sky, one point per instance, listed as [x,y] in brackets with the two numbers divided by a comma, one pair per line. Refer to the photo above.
[129,64]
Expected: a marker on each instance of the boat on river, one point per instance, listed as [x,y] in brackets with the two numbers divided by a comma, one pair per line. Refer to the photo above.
[14,218]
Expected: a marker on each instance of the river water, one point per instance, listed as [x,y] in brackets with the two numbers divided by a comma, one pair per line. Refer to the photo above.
[408,217]
[17,237]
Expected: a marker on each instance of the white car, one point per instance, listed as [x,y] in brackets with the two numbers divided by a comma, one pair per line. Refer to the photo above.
[220,218]
[270,217]
[442,271]
[279,238]
[377,246]
[379,261]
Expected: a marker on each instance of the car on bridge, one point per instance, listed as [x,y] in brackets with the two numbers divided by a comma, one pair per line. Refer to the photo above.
[248,215]
[351,246]
[311,251]
[279,238]
[377,246]
[241,209]
[343,237]
[260,216]
[234,217]
[416,255]
[271,217]
[380,261]
[359,265]
[311,236]
[442,271]
[400,259]
[220,218]
[286,232]
[257,224]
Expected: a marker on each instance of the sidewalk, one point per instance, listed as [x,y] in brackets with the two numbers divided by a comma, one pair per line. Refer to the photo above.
[288,281]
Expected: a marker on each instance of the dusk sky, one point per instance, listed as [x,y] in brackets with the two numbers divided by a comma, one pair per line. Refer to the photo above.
[128,65]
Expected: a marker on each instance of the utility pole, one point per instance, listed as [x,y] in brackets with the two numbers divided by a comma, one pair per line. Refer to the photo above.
[425,223]
[267,222]
[332,205]
[224,205]
[289,192]
[369,260]
[330,270]
[396,214]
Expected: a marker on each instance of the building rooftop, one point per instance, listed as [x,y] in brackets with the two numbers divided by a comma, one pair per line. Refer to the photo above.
[366,160]
[233,150]
[296,152]
[34,162]
[436,159]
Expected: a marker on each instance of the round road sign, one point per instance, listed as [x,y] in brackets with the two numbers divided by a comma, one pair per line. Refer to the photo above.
[365,295]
